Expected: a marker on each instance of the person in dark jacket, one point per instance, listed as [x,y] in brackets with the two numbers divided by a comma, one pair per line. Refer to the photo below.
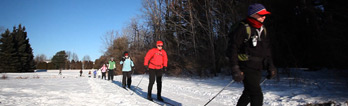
[155,63]
[249,53]
[81,72]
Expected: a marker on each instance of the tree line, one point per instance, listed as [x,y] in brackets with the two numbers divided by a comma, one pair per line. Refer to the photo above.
[63,60]
[16,55]
[304,33]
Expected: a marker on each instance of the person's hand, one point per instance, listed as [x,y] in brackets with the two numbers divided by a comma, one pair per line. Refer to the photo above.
[272,72]
[237,74]
[146,68]
[164,69]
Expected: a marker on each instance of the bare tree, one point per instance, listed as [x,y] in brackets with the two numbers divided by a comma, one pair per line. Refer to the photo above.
[69,54]
[108,40]
[2,29]
[86,58]
[86,62]
[153,11]
[135,30]
[40,58]
[75,57]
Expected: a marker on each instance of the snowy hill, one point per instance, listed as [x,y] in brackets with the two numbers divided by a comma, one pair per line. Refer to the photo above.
[49,88]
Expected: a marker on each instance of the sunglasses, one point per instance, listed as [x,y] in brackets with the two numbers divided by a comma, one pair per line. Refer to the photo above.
[261,15]
[159,45]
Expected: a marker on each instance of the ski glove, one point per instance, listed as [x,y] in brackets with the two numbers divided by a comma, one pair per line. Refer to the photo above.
[133,69]
[164,69]
[146,68]
[237,75]
[272,72]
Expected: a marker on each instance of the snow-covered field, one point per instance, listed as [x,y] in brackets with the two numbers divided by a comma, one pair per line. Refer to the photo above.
[49,88]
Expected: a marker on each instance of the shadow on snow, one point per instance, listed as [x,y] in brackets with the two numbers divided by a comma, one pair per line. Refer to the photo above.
[141,93]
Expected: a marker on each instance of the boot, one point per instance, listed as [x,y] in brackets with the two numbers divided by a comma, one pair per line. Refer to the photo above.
[149,98]
[160,98]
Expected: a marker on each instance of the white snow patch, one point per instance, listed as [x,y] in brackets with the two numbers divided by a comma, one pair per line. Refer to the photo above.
[49,88]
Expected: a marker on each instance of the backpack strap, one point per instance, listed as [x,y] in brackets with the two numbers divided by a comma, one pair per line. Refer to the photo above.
[248,31]
[264,30]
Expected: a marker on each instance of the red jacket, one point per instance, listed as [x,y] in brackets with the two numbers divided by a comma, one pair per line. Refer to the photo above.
[158,59]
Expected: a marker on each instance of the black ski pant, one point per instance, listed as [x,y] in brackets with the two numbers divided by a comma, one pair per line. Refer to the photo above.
[111,74]
[103,75]
[127,77]
[155,74]
[252,90]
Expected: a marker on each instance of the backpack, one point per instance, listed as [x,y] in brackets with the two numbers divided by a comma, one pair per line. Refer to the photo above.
[245,57]
[248,30]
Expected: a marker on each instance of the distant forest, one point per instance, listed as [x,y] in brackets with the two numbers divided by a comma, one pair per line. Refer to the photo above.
[304,33]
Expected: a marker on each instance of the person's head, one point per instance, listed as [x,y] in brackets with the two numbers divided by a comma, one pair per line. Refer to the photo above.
[159,45]
[126,54]
[112,59]
[258,11]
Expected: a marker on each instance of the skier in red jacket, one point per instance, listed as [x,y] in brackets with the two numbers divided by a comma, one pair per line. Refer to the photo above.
[155,63]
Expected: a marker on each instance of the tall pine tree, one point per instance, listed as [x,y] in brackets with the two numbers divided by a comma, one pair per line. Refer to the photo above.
[6,51]
[15,51]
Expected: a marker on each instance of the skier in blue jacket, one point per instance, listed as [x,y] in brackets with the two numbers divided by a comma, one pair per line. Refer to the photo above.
[127,66]
[94,73]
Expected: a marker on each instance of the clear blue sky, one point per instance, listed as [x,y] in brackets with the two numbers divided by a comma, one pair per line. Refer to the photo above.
[70,25]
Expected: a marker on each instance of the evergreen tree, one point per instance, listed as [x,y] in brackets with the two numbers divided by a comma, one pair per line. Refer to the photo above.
[6,52]
[59,59]
[16,53]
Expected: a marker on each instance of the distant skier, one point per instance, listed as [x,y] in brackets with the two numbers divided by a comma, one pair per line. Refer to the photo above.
[94,73]
[81,73]
[127,66]
[60,72]
[99,73]
[157,65]
[89,74]
[112,67]
[103,71]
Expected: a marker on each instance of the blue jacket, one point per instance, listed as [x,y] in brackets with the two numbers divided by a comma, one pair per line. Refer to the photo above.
[127,65]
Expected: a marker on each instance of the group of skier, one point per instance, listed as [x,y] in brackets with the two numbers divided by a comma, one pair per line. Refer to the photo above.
[249,52]
[109,70]
[155,63]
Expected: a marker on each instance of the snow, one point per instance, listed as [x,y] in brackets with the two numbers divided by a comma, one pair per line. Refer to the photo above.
[49,88]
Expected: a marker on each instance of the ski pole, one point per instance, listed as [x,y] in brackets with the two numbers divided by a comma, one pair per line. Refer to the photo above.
[263,81]
[219,92]
[139,83]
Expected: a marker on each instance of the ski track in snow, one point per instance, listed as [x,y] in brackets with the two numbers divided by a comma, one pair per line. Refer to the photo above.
[49,88]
